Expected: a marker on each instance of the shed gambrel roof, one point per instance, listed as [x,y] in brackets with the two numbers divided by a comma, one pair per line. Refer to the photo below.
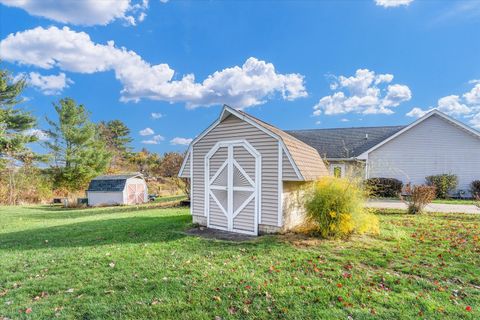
[344,143]
[305,159]
[111,183]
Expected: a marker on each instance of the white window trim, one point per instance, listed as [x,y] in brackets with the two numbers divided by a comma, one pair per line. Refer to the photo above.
[341,166]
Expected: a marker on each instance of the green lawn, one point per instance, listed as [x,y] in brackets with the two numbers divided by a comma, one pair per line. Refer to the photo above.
[455,201]
[444,201]
[111,264]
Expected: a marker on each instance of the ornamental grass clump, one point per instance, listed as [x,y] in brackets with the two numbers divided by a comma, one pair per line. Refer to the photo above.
[418,197]
[335,209]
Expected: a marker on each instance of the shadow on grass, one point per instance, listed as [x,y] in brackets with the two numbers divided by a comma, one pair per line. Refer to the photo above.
[59,212]
[102,232]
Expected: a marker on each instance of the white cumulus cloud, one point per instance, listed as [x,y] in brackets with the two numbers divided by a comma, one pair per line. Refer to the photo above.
[473,96]
[49,84]
[392,3]
[146,132]
[181,141]
[251,84]
[417,112]
[155,140]
[466,106]
[156,115]
[364,93]
[84,12]
[453,105]
[475,121]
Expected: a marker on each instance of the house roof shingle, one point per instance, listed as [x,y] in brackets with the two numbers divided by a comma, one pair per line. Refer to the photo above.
[111,183]
[341,143]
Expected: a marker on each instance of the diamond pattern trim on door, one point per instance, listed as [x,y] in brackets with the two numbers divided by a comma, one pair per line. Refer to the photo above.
[135,193]
[230,189]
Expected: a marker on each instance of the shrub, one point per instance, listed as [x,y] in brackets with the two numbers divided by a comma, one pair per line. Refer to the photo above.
[384,187]
[475,189]
[335,208]
[443,183]
[24,185]
[418,197]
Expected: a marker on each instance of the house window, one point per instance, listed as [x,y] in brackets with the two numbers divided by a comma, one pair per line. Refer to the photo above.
[337,170]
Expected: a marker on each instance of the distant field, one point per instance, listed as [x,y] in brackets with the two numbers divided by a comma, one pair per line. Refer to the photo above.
[110,263]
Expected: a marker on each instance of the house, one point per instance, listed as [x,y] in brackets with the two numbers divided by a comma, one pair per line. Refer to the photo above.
[434,144]
[245,175]
[117,189]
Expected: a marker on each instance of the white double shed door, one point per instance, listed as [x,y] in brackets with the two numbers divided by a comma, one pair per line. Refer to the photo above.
[232,187]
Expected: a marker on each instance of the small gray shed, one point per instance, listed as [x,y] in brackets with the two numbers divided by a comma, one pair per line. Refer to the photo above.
[129,188]
[245,174]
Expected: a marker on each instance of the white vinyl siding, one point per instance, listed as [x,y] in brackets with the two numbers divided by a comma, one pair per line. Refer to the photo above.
[233,128]
[434,146]
[288,172]
[99,198]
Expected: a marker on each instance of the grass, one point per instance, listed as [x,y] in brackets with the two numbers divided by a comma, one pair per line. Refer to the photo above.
[170,198]
[455,201]
[444,201]
[110,264]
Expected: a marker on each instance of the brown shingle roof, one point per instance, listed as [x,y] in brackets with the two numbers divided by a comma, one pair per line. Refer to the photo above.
[307,159]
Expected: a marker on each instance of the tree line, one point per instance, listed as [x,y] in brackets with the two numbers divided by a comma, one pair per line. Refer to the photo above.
[77,149]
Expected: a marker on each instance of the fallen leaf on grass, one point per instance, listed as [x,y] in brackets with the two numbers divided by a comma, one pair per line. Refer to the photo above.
[217,298]
[232,310]
[41,296]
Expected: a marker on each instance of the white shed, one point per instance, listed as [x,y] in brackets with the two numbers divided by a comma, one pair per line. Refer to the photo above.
[244,173]
[128,188]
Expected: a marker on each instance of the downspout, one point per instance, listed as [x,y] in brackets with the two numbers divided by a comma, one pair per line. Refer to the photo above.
[366,168]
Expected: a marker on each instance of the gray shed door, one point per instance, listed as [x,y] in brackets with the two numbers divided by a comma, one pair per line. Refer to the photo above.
[232,188]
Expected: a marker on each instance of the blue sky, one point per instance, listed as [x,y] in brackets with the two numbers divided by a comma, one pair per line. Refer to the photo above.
[295,64]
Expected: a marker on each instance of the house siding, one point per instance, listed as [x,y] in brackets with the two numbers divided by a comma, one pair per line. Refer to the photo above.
[293,204]
[434,146]
[233,128]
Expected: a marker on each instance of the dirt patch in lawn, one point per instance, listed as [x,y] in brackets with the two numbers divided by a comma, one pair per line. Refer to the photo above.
[209,233]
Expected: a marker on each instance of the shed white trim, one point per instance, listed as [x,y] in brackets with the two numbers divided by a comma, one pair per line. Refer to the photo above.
[188,156]
[226,109]
[280,185]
